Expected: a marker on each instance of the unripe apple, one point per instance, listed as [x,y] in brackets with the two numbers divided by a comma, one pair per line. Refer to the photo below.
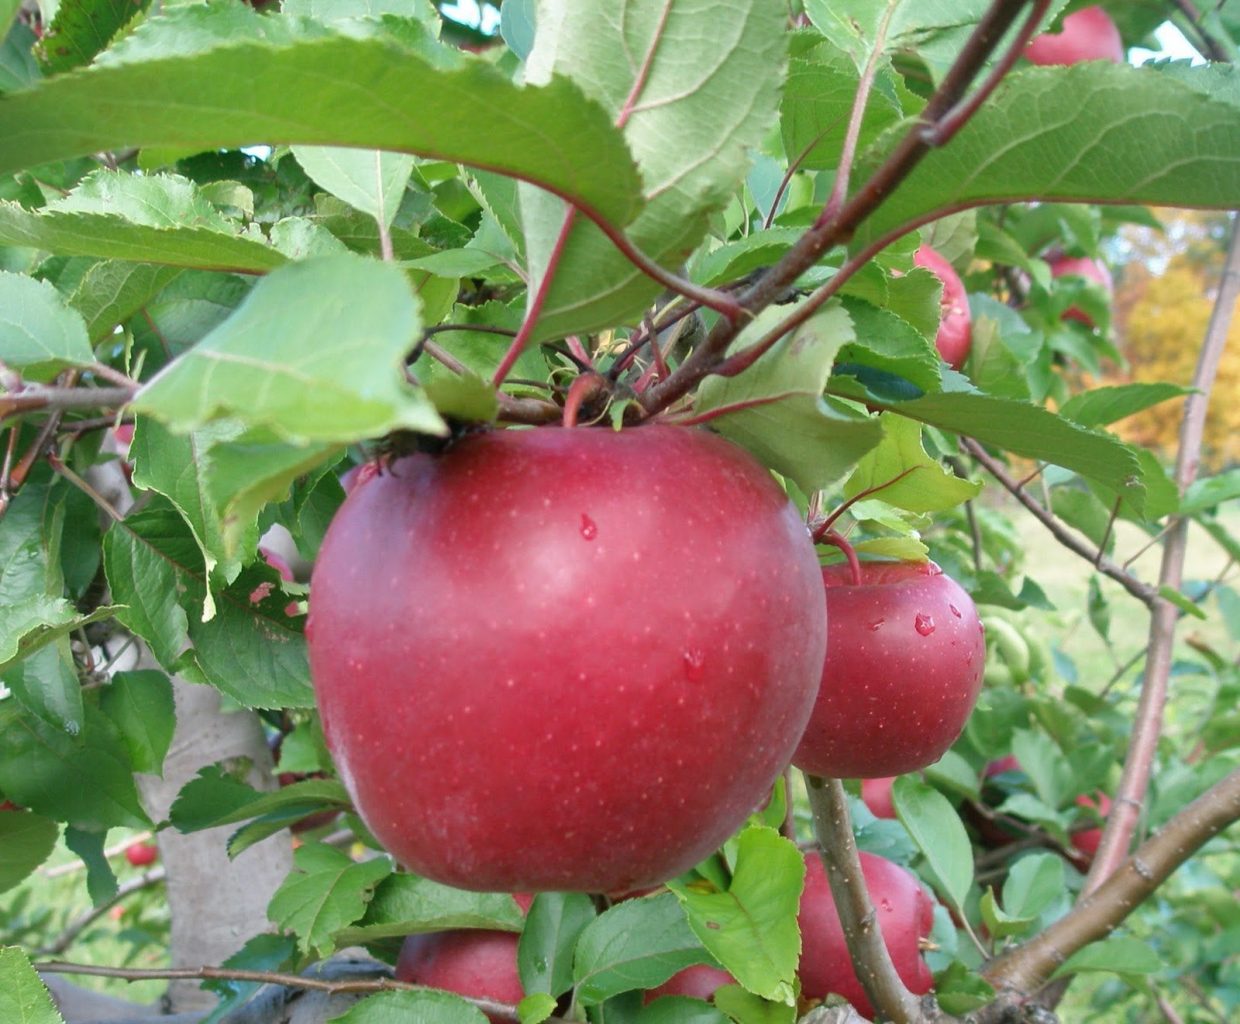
[876,795]
[565,659]
[141,855]
[905,655]
[905,916]
[1091,270]
[955,337]
[1088,34]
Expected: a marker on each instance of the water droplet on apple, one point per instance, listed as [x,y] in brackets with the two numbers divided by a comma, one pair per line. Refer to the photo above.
[885,904]
[876,626]
[954,610]
[589,529]
[694,660]
[924,624]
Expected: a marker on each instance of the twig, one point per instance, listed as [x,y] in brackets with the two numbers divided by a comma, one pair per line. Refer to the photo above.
[1214,49]
[115,850]
[75,928]
[1096,915]
[34,398]
[495,1010]
[1167,1010]
[1121,823]
[1143,592]
[870,958]
[85,488]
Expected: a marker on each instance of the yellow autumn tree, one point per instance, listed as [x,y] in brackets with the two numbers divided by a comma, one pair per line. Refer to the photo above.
[1162,309]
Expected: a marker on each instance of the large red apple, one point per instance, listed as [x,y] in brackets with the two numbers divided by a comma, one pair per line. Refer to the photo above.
[1088,34]
[905,916]
[905,654]
[477,964]
[565,659]
[1091,270]
[955,336]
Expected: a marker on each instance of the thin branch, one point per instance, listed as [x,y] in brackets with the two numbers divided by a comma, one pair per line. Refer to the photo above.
[35,398]
[495,1010]
[121,380]
[75,928]
[1022,970]
[870,958]
[1214,48]
[1143,592]
[1122,821]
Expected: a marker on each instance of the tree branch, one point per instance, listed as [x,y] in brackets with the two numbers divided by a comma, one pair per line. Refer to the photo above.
[1143,592]
[75,928]
[1020,972]
[869,953]
[36,397]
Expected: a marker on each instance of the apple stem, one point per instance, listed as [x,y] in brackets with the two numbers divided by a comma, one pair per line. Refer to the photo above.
[840,510]
[587,386]
[837,539]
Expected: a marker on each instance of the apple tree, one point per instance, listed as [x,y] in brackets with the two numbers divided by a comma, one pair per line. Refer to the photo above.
[561,517]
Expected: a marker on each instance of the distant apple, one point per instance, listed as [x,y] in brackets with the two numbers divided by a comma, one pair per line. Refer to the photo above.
[141,855]
[905,655]
[1088,34]
[1091,270]
[286,573]
[8,805]
[698,982]
[905,916]
[1087,839]
[955,336]
[876,795]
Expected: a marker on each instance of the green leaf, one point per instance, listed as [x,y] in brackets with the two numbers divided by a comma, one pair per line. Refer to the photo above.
[1099,407]
[637,944]
[1094,131]
[1205,495]
[889,343]
[690,104]
[81,28]
[86,780]
[213,798]
[936,828]
[545,952]
[427,1007]
[111,291]
[140,706]
[40,334]
[535,1008]
[1029,430]
[959,990]
[1000,924]
[1033,884]
[46,683]
[752,928]
[747,1008]
[261,953]
[1119,955]
[899,472]
[406,904]
[367,180]
[26,841]
[290,358]
[775,408]
[1183,602]
[88,844]
[326,892]
[332,90]
[24,999]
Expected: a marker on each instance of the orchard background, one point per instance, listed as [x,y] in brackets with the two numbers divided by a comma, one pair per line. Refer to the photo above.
[244,252]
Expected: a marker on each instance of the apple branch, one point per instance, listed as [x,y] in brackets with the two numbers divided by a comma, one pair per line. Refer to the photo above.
[332,986]
[1020,972]
[1122,821]
[1143,592]
[34,398]
[870,957]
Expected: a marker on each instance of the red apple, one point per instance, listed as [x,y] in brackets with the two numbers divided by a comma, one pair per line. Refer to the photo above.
[286,573]
[955,336]
[8,805]
[698,982]
[905,654]
[1087,839]
[141,855]
[478,964]
[356,475]
[905,916]
[876,795]
[1088,34]
[565,659]
[1091,270]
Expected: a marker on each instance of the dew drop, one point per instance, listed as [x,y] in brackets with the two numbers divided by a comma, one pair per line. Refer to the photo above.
[589,529]
[695,660]
[924,624]
[954,610]
[877,625]
[885,905]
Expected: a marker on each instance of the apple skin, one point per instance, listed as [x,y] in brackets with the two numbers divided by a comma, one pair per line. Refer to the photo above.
[1086,840]
[565,659]
[955,337]
[697,982]
[1088,34]
[478,964]
[876,795]
[142,855]
[1089,269]
[905,915]
[905,655]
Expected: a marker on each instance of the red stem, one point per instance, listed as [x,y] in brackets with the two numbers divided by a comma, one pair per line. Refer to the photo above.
[579,390]
[837,539]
